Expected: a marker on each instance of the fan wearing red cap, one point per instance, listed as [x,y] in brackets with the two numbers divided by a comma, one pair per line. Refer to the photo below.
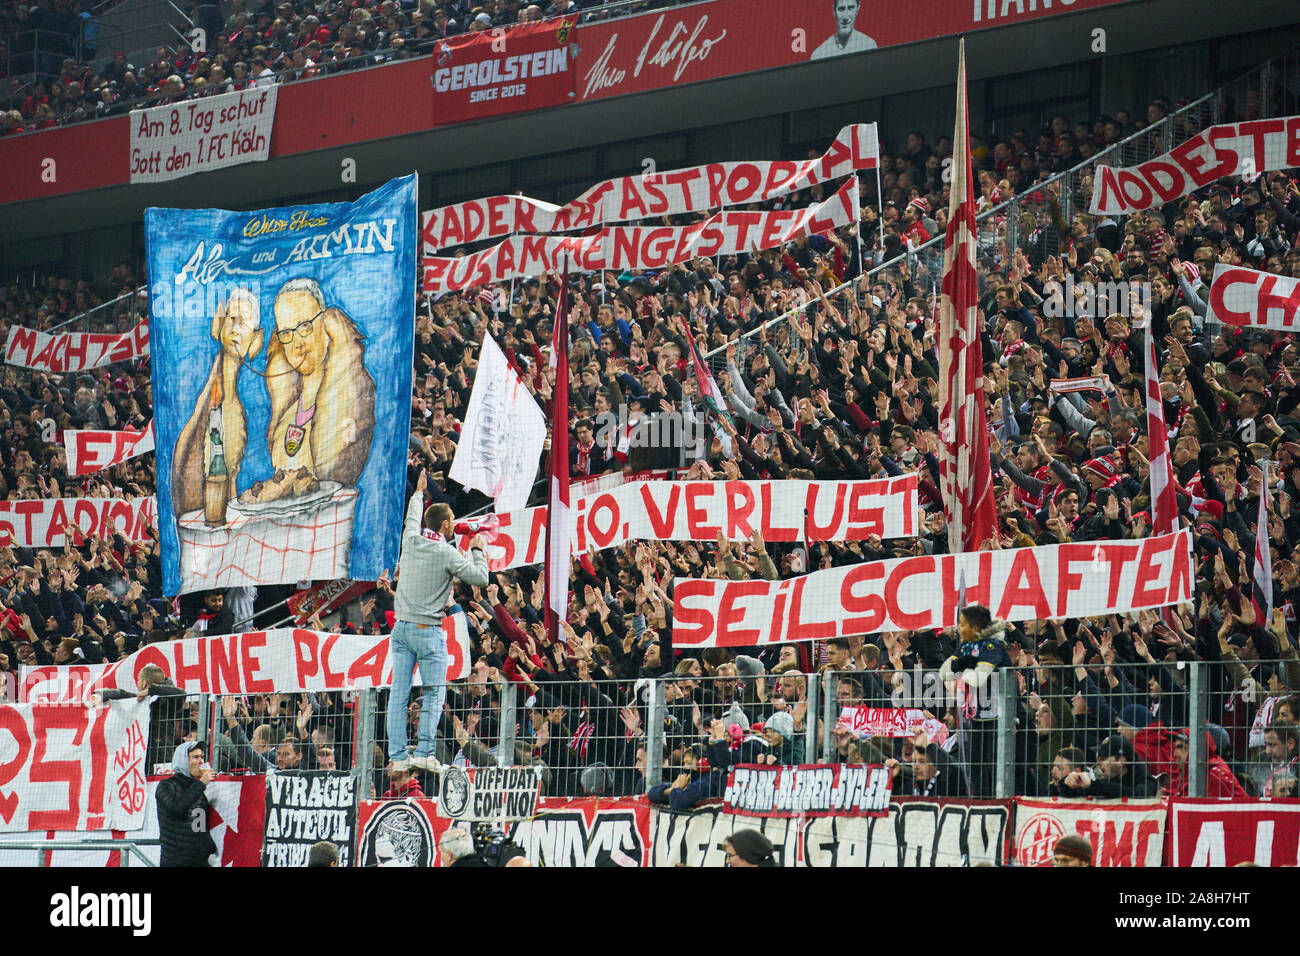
[1100,473]
[913,213]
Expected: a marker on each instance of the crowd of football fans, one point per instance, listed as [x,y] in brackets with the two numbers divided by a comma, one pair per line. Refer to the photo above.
[55,70]
[844,385]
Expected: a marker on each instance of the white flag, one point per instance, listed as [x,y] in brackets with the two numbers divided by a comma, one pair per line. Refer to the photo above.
[501,441]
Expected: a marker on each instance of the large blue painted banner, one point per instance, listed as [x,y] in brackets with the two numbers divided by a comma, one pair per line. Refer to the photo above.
[282,343]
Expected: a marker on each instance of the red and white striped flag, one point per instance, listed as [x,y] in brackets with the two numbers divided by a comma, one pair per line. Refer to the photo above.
[1164,501]
[559,523]
[1262,585]
[964,475]
[1164,498]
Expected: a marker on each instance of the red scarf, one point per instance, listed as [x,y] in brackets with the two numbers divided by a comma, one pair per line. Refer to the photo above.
[1034,502]
[582,737]
[584,457]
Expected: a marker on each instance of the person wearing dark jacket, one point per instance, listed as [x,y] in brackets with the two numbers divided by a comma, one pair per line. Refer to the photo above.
[932,773]
[183,809]
[732,744]
[1121,774]
[691,786]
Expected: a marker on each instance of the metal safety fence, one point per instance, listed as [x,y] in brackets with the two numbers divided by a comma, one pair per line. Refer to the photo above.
[1082,714]
[1096,727]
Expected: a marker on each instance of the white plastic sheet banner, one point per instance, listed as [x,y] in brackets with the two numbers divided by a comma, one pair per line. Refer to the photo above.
[285,660]
[1248,298]
[640,247]
[74,351]
[781,511]
[651,195]
[196,136]
[47,522]
[501,440]
[1243,149]
[92,451]
[919,593]
[73,768]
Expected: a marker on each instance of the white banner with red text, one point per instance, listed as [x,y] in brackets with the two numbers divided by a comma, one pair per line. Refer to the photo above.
[1247,298]
[892,722]
[651,195]
[197,136]
[286,660]
[235,812]
[918,593]
[48,522]
[236,808]
[74,351]
[1243,149]
[92,451]
[72,768]
[1230,833]
[1122,832]
[640,247]
[780,511]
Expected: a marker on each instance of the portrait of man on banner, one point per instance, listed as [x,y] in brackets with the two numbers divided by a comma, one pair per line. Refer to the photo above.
[281,337]
[846,38]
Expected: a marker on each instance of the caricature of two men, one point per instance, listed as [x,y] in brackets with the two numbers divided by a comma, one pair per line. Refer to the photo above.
[321,396]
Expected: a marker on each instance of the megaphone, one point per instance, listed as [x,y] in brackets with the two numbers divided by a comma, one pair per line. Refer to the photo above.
[486,525]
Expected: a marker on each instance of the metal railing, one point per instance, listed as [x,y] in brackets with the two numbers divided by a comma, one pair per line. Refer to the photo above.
[1096,728]
[39,53]
[175,25]
[1101,728]
[127,848]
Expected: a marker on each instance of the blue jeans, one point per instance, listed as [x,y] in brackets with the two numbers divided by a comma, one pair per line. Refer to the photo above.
[409,644]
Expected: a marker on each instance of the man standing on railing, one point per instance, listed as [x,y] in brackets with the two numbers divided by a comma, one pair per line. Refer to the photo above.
[429,567]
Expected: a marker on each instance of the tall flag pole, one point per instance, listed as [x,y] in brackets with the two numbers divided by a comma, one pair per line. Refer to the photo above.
[710,395]
[559,525]
[1164,503]
[1262,584]
[966,481]
[1164,500]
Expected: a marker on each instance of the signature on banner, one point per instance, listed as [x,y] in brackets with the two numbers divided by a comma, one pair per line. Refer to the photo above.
[128,762]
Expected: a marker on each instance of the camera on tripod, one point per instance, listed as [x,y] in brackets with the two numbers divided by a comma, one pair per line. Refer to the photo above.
[492,844]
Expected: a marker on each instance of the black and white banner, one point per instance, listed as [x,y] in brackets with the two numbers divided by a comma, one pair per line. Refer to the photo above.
[305,807]
[916,832]
[489,793]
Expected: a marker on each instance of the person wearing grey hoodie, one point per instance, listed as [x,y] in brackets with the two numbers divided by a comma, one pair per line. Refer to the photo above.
[183,809]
